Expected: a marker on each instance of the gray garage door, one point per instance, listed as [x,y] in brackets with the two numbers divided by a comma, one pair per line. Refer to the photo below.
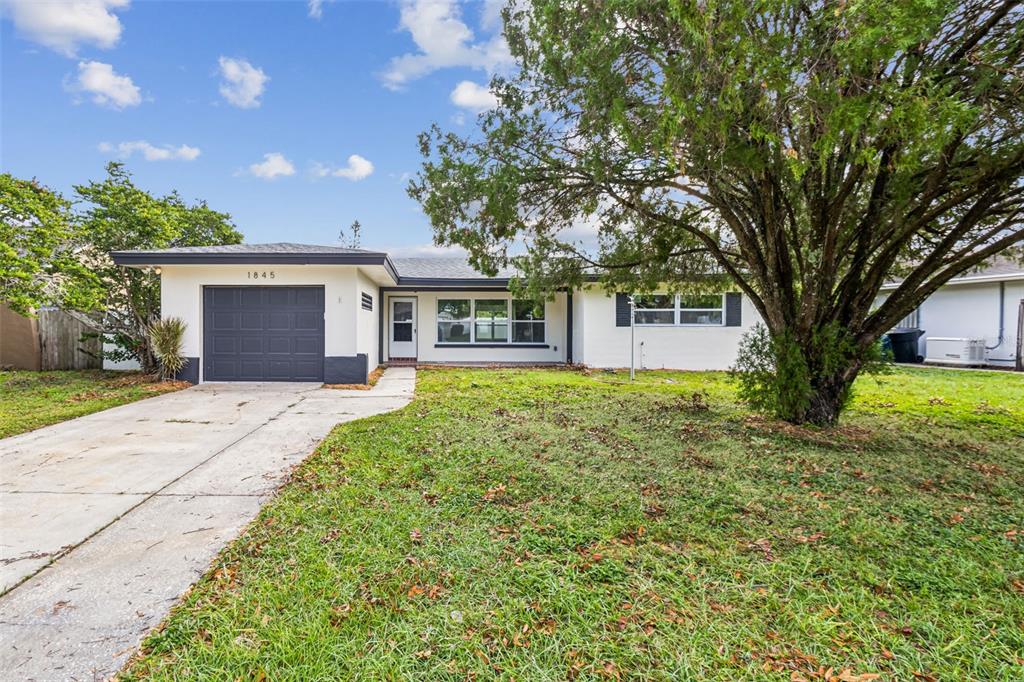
[263,334]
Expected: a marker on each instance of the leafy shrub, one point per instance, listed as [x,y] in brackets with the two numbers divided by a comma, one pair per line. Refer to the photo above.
[799,381]
[166,337]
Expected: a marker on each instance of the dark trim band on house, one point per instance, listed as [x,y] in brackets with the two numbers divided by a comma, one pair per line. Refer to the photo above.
[253,258]
[441,284]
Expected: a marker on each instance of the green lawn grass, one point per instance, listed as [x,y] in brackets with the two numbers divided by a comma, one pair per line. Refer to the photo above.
[551,525]
[29,400]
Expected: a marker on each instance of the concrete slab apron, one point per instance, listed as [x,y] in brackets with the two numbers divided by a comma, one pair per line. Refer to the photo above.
[106,520]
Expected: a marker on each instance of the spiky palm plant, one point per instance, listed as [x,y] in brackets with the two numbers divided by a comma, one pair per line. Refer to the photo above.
[166,337]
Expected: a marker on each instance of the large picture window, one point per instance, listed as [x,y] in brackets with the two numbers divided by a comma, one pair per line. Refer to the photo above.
[489,321]
[679,310]
[454,320]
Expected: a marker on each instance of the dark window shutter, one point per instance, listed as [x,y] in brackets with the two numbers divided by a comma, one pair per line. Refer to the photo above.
[733,309]
[621,310]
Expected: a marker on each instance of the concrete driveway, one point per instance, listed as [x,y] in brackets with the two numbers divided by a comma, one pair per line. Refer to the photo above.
[107,519]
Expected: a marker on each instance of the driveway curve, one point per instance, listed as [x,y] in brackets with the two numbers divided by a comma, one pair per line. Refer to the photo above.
[107,519]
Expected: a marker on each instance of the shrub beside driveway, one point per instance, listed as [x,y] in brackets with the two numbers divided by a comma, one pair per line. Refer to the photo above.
[29,400]
[558,525]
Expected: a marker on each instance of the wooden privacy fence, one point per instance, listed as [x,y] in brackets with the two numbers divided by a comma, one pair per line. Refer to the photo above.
[53,340]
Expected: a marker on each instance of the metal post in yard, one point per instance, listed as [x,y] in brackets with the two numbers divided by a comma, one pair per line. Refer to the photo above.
[632,338]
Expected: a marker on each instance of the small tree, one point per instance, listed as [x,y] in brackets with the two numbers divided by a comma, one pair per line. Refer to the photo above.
[120,216]
[804,152]
[354,239]
[166,337]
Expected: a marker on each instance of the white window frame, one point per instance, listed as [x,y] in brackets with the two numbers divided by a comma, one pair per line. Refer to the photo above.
[471,321]
[677,313]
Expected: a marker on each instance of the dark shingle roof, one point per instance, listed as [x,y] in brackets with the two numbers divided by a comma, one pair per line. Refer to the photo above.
[443,268]
[276,247]
[994,267]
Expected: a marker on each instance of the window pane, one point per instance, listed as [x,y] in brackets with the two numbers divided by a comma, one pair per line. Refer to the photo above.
[700,317]
[528,332]
[402,311]
[713,301]
[527,310]
[654,301]
[491,332]
[402,331]
[452,332]
[489,309]
[655,317]
[452,309]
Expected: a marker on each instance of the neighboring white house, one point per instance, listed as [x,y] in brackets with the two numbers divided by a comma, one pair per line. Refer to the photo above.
[982,306]
[292,312]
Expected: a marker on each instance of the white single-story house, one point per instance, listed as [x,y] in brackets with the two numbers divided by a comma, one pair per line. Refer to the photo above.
[294,312]
[981,309]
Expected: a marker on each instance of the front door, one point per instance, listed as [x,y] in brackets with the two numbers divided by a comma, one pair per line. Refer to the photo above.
[402,336]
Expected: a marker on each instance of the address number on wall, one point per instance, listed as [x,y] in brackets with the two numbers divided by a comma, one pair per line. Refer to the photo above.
[266,274]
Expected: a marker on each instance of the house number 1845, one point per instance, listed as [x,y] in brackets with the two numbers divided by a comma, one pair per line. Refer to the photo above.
[261,275]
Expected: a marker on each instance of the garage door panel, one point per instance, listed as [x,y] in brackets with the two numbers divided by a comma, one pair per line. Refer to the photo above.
[225,321]
[263,333]
[250,345]
[221,296]
[309,297]
[307,371]
[225,344]
[307,321]
[306,345]
[279,320]
[279,344]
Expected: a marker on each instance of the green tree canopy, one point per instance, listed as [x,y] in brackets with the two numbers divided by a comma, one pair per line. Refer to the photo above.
[119,216]
[38,259]
[807,152]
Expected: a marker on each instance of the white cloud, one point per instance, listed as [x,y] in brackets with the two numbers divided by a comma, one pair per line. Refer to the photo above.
[152,152]
[358,168]
[243,83]
[107,87]
[274,165]
[473,96]
[63,25]
[444,40]
[316,8]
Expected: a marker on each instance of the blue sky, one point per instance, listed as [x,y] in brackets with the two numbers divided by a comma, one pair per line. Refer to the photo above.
[295,117]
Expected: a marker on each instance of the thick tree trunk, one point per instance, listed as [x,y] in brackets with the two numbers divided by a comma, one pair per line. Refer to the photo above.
[828,397]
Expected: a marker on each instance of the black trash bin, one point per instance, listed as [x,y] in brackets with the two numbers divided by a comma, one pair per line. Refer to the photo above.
[903,341]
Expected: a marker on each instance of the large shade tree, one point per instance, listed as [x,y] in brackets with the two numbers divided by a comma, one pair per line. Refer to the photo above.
[808,152]
[117,215]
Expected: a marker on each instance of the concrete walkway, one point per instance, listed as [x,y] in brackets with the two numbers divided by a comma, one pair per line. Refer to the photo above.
[107,519]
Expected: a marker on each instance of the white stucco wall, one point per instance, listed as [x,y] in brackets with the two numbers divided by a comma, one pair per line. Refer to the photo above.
[972,311]
[367,321]
[181,295]
[426,337]
[605,345]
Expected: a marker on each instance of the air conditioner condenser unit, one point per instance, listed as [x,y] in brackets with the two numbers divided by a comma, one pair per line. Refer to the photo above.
[955,351]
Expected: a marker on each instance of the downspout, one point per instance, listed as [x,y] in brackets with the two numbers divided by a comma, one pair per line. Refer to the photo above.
[568,327]
[1002,316]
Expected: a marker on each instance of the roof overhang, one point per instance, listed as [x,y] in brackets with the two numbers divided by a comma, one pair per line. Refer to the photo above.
[161,258]
[970,279]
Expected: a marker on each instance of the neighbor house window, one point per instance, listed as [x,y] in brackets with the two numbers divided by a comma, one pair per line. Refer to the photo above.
[527,322]
[489,320]
[454,320]
[679,310]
